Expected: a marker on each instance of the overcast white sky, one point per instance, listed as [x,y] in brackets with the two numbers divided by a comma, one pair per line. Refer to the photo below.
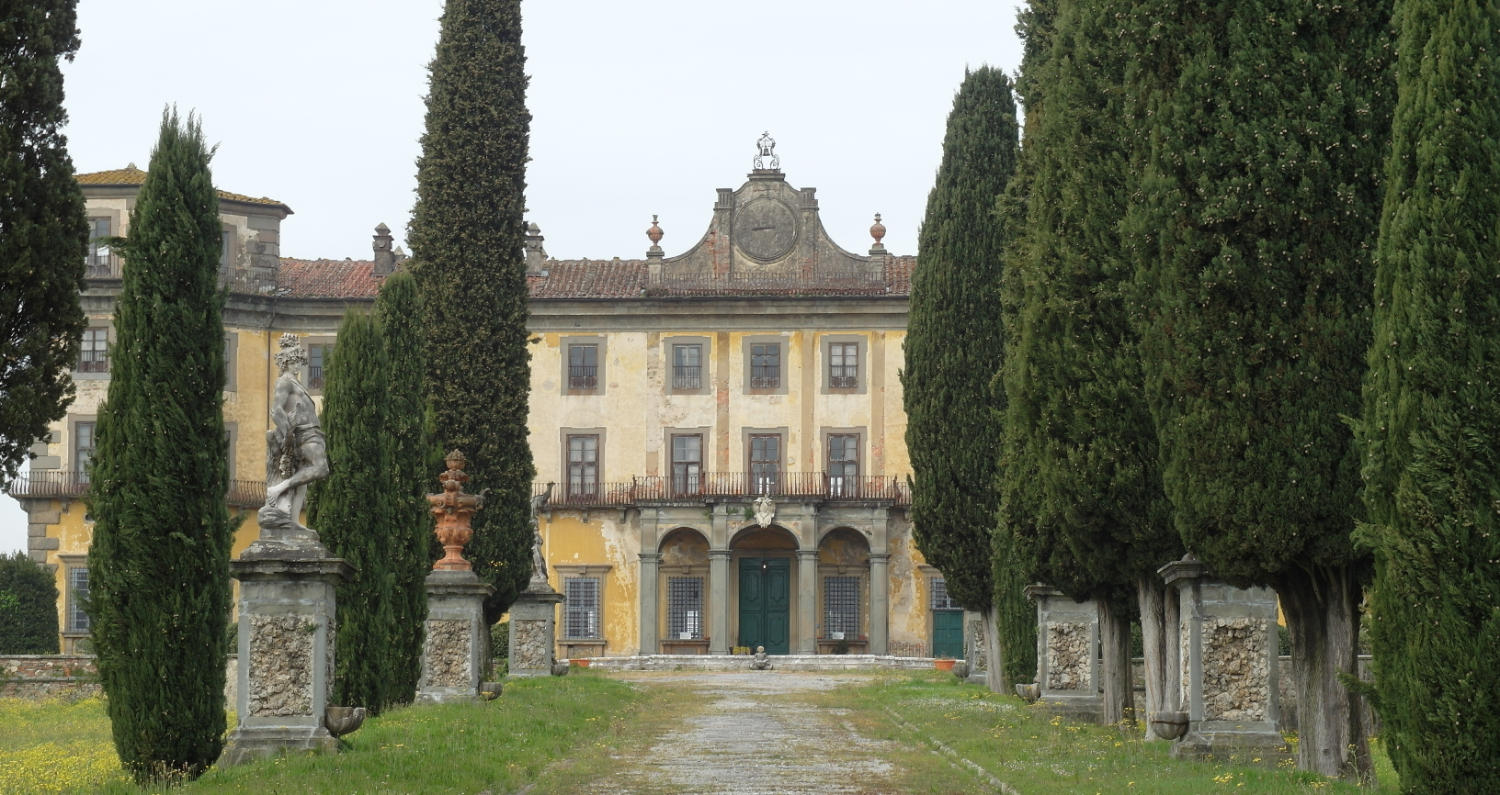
[637,109]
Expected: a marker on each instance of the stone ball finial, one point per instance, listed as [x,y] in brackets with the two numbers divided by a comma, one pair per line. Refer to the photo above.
[382,229]
[654,233]
[877,230]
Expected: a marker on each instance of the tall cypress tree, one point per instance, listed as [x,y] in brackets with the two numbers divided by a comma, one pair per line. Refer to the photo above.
[1259,200]
[467,235]
[352,512]
[413,469]
[953,344]
[159,563]
[1096,451]
[43,230]
[1432,406]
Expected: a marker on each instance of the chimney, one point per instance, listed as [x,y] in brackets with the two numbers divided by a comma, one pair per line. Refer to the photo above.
[385,257]
[536,256]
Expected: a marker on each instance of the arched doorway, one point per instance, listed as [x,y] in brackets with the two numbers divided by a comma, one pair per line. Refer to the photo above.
[763,566]
[843,592]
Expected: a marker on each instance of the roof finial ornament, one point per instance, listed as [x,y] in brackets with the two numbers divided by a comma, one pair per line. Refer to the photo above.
[766,148]
[655,235]
[877,231]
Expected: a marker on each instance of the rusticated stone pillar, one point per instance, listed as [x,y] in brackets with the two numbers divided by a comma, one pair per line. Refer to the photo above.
[1067,653]
[453,649]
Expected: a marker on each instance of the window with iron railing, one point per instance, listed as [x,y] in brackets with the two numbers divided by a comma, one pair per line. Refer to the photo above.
[318,355]
[581,607]
[99,261]
[687,463]
[765,463]
[83,450]
[843,365]
[685,608]
[841,607]
[583,366]
[687,366]
[93,351]
[843,463]
[583,465]
[765,366]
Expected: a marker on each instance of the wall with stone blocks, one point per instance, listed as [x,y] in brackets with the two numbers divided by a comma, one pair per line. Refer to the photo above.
[40,676]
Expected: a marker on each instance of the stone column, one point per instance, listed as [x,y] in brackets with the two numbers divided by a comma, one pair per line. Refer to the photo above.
[454,656]
[718,601]
[1067,652]
[880,606]
[649,628]
[1227,653]
[533,631]
[286,648]
[807,601]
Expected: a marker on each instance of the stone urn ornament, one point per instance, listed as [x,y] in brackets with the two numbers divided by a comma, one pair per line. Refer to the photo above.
[340,721]
[1171,725]
[1029,692]
[454,510]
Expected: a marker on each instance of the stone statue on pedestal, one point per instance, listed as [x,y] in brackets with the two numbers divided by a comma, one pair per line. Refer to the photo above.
[296,452]
[538,560]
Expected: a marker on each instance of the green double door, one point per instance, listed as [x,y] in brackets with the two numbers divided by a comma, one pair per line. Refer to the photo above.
[948,633]
[765,604]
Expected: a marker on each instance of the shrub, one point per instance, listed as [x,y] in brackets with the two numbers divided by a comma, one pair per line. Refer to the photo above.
[28,607]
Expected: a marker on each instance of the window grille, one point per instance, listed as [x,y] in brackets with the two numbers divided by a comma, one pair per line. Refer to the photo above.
[583,466]
[685,608]
[687,366]
[765,366]
[841,607]
[581,608]
[940,599]
[765,463]
[93,352]
[83,449]
[687,463]
[583,366]
[78,593]
[843,365]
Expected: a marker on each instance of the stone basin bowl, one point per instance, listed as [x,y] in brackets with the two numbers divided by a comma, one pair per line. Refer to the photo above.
[1169,725]
[339,721]
[1029,692]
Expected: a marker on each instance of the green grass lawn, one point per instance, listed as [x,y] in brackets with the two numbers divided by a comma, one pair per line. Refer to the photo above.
[560,733]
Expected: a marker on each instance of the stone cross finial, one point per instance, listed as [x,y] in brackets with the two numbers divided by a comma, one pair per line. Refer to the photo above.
[454,510]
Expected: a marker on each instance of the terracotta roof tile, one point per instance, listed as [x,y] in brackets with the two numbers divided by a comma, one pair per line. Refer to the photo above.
[584,278]
[898,274]
[327,278]
[130,175]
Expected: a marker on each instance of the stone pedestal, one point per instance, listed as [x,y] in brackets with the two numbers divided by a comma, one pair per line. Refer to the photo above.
[533,630]
[1227,653]
[286,645]
[1067,653]
[454,657]
[976,647]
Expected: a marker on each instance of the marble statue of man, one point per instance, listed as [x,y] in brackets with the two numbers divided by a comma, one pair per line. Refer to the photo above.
[296,452]
[538,560]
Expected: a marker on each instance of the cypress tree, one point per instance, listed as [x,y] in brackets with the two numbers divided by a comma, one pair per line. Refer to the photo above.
[43,230]
[1259,200]
[1096,454]
[159,563]
[352,512]
[412,467]
[1432,409]
[28,607]
[467,235]
[953,344]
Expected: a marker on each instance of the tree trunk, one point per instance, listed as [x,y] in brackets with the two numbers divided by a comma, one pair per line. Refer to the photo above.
[1322,614]
[1152,596]
[994,671]
[1114,642]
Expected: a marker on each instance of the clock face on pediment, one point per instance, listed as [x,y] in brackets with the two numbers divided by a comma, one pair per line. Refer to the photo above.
[765,228]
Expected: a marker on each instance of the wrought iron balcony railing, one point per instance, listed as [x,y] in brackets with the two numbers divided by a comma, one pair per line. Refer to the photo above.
[67,483]
[718,486]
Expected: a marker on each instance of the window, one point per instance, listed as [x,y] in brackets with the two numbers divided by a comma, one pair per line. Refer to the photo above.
[940,599]
[231,348]
[93,352]
[226,248]
[581,608]
[843,463]
[687,366]
[583,367]
[83,449]
[317,362]
[765,463]
[687,463]
[765,365]
[583,465]
[99,261]
[843,365]
[841,607]
[78,594]
[685,608]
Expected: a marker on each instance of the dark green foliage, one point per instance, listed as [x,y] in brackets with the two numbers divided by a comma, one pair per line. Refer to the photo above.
[353,513]
[467,234]
[1099,497]
[1432,406]
[953,341]
[43,230]
[1015,615]
[1262,128]
[159,563]
[28,606]
[412,467]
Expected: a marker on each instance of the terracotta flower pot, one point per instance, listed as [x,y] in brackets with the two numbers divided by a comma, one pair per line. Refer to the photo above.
[581,662]
[944,663]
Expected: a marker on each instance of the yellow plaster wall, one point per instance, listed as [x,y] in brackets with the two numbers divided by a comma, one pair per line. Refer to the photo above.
[603,539]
